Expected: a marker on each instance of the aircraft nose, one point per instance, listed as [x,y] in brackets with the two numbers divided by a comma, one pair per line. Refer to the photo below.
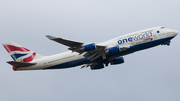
[176,32]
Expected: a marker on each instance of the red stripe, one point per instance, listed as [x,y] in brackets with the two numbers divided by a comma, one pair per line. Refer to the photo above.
[14,48]
[6,49]
[30,58]
[15,68]
[148,39]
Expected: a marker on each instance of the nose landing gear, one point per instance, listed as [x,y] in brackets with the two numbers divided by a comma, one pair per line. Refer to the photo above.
[166,43]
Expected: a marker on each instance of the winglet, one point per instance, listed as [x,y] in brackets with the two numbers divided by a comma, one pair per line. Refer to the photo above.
[50,37]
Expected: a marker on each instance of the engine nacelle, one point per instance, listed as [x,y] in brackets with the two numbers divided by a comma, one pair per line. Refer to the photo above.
[89,47]
[118,60]
[98,66]
[113,50]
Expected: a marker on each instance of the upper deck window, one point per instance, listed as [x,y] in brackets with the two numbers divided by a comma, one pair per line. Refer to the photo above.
[162,27]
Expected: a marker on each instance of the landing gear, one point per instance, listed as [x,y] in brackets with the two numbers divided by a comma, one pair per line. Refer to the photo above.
[166,43]
[106,64]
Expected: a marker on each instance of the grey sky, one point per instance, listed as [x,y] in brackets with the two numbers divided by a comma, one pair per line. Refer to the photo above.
[149,75]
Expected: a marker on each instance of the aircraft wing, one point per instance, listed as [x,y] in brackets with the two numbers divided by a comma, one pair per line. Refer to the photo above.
[92,51]
[68,43]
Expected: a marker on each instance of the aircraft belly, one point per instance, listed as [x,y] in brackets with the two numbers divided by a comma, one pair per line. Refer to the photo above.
[70,64]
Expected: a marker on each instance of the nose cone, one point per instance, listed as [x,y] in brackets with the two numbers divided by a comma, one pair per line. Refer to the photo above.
[176,33]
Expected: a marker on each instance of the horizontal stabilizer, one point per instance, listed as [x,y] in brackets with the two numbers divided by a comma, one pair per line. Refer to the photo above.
[20,64]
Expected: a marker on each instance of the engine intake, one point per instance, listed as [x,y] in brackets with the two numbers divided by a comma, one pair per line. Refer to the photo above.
[113,50]
[118,60]
[89,47]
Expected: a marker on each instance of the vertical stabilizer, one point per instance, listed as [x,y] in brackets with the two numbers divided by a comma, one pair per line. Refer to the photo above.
[19,53]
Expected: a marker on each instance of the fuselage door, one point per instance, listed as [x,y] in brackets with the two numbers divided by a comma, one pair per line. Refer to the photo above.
[45,64]
[154,36]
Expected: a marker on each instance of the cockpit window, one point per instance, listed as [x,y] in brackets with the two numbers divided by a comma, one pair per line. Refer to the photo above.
[162,27]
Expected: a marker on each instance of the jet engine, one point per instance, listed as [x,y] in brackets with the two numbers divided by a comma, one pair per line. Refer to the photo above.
[89,47]
[113,50]
[118,60]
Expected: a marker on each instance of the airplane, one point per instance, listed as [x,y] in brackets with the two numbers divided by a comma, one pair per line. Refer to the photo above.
[95,56]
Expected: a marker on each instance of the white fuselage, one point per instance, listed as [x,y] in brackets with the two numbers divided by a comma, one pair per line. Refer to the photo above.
[152,37]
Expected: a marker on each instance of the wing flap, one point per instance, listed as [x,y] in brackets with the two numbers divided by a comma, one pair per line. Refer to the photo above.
[20,64]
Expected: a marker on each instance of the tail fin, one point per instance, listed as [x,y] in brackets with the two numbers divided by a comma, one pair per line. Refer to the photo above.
[19,53]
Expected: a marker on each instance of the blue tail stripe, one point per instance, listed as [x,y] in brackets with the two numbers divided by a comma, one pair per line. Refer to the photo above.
[16,56]
[13,58]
